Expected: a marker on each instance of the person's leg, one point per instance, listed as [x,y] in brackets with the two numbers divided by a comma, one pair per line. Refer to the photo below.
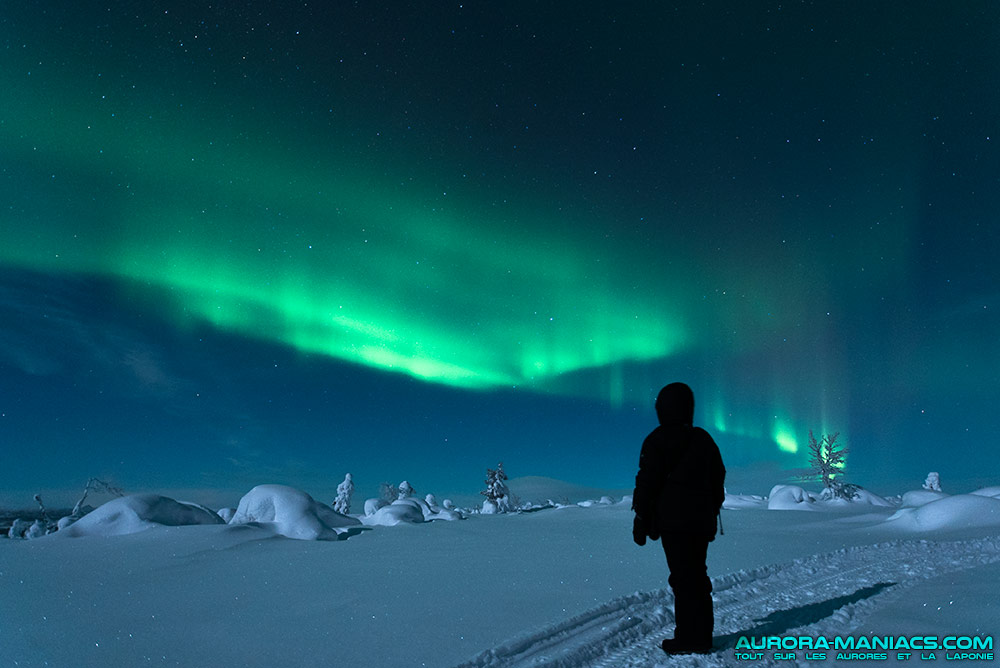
[693,615]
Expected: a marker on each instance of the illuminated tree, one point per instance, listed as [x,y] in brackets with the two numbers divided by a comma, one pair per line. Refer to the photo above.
[828,458]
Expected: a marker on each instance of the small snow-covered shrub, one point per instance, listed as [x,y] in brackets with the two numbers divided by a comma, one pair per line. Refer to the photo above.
[405,490]
[841,490]
[38,529]
[933,482]
[19,528]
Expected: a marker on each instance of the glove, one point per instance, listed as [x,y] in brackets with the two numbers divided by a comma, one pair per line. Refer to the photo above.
[639,531]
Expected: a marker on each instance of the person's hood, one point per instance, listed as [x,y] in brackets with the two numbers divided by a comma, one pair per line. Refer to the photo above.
[675,405]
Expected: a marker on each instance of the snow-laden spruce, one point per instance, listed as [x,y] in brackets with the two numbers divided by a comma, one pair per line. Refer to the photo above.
[345,491]
[496,492]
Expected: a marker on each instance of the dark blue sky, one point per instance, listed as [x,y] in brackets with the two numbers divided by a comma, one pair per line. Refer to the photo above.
[262,243]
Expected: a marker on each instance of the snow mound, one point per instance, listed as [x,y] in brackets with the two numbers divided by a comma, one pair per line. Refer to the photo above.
[862,497]
[791,497]
[920,497]
[138,512]
[409,511]
[398,512]
[744,501]
[372,506]
[868,498]
[961,511]
[988,491]
[291,512]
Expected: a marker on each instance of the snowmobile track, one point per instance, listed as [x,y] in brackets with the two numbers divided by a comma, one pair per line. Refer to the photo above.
[833,591]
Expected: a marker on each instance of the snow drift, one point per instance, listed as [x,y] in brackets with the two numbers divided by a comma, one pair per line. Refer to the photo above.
[951,512]
[291,512]
[920,497]
[791,497]
[408,510]
[138,512]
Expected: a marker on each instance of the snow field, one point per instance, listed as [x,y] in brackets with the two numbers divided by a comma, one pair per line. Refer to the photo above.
[563,586]
[829,594]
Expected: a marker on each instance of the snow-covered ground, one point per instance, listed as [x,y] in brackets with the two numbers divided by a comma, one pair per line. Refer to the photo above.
[561,586]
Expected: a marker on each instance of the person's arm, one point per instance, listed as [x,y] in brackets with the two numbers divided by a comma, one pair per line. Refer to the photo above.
[718,476]
[644,495]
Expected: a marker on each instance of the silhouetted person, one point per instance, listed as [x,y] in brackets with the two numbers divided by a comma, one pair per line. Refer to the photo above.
[678,496]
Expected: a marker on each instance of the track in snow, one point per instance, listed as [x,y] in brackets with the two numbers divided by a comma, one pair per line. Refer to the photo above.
[828,594]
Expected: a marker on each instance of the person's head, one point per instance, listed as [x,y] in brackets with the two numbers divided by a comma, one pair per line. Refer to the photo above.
[675,404]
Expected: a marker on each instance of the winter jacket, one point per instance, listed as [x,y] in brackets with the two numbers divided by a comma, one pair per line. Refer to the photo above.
[680,484]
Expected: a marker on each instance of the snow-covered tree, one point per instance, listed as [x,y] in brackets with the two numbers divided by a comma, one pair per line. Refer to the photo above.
[405,490]
[388,492]
[496,492]
[828,458]
[933,482]
[19,528]
[345,491]
[38,529]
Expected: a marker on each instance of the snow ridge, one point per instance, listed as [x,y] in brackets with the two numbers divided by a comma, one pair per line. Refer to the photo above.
[824,594]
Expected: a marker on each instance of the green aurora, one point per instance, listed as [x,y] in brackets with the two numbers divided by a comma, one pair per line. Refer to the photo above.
[331,260]
[760,231]
[338,265]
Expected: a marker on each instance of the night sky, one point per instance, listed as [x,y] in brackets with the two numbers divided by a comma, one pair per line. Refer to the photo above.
[255,242]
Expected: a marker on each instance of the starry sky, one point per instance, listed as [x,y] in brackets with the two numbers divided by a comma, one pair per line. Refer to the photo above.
[276,242]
